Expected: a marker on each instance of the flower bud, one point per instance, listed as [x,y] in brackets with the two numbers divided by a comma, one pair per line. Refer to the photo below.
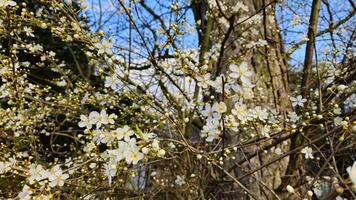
[290,189]
[341,87]
[310,193]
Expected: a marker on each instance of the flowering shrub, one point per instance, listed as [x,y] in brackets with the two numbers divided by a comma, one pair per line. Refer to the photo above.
[79,121]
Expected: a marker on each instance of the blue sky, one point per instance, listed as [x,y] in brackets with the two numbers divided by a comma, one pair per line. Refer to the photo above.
[285,14]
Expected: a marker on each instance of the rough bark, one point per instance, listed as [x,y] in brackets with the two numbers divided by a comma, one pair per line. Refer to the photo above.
[269,63]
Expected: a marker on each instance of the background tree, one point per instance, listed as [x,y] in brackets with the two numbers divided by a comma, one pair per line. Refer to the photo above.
[177,100]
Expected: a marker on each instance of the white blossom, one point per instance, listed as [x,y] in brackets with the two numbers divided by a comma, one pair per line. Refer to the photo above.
[85,122]
[240,111]
[110,171]
[57,177]
[265,130]
[339,198]
[204,81]
[28,31]
[112,82]
[37,172]
[293,117]
[317,191]
[298,101]
[124,133]
[308,152]
[239,6]
[4,167]
[260,113]
[180,180]
[219,107]
[104,47]
[133,156]
[101,118]
[4,3]
[208,111]
[352,172]
[341,88]
[26,193]
[240,72]
[211,130]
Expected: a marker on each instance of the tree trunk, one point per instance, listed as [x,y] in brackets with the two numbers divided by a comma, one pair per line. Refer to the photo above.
[268,63]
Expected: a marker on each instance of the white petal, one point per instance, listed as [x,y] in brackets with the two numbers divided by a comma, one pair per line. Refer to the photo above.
[11,3]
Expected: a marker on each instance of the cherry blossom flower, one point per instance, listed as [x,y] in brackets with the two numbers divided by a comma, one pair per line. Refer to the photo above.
[207,111]
[4,167]
[131,151]
[161,153]
[340,198]
[107,137]
[89,147]
[118,154]
[145,150]
[240,111]
[204,81]
[133,156]
[211,130]
[180,180]
[341,88]
[219,107]
[3,92]
[85,122]
[37,172]
[239,6]
[265,130]
[240,72]
[110,171]
[260,113]
[26,193]
[293,117]
[99,136]
[212,134]
[28,31]
[278,151]
[132,143]
[100,118]
[104,47]
[337,111]
[317,190]
[217,84]
[155,144]
[338,121]
[352,172]
[124,133]
[308,152]
[298,101]
[57,177]
[4,3]
[112,82]
[149,136]
[111,118]
[69,2]
[33,48]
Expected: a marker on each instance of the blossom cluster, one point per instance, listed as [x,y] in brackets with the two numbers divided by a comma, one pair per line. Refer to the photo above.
[83,116]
